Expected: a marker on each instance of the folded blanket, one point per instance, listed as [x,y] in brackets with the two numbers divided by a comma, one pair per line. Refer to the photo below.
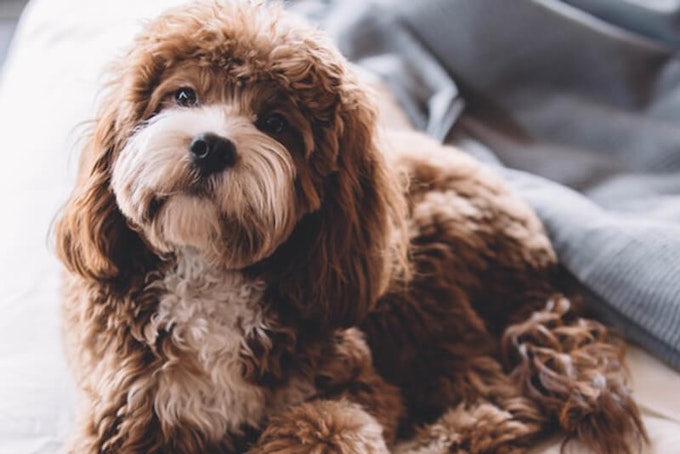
[578,104]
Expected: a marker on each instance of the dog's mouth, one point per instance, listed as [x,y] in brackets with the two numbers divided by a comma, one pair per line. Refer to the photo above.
[195,184]
[154,207]
[202,185]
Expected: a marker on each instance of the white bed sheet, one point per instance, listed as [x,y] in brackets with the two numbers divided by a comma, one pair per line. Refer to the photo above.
[47,91]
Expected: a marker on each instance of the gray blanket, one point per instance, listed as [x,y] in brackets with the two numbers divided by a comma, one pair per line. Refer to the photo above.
[577,103]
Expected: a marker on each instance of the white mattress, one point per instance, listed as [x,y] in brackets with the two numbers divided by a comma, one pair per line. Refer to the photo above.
[48,89]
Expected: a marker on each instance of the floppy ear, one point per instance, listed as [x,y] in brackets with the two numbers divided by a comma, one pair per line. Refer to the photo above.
[343,251]
[92,237]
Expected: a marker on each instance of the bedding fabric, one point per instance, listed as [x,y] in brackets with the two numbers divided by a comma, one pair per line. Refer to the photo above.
[549,89]
[578,104]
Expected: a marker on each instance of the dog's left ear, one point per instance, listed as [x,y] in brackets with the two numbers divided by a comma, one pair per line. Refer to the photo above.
[346,250]
[93,239]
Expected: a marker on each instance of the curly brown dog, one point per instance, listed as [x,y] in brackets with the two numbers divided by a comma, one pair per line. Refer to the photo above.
[252,266]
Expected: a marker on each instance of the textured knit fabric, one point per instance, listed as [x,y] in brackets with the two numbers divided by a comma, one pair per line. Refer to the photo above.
[578,104]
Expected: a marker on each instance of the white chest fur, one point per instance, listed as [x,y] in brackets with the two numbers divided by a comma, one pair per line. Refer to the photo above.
[208,314]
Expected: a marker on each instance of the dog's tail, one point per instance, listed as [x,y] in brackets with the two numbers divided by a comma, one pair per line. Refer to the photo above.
[573,368]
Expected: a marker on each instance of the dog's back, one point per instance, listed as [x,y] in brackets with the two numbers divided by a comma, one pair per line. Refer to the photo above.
[480,340]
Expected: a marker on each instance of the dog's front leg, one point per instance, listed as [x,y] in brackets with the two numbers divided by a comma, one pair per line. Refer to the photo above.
[355,410]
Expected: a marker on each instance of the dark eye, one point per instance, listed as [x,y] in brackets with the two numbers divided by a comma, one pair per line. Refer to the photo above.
[272,124]
[186,97]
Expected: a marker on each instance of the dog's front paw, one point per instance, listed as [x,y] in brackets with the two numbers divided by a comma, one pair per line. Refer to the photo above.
[475,428]
[324,427]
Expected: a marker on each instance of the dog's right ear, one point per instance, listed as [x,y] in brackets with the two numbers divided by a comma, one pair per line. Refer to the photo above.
[92,236]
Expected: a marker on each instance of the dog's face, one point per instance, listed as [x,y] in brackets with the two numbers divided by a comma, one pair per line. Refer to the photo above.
[219,160]
[220,166]
[232,130]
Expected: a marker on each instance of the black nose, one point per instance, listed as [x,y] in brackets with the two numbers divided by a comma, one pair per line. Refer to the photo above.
[212,153]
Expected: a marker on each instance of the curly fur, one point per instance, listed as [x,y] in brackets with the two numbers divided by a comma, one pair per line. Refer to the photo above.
[332,291]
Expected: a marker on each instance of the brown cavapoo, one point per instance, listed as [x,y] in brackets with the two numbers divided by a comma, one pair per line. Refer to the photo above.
[252,267]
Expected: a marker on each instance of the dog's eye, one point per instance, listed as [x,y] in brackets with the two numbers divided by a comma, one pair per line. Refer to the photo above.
[272,124]
[186,97]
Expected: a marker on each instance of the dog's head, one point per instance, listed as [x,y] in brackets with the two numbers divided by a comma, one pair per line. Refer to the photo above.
[237,133]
